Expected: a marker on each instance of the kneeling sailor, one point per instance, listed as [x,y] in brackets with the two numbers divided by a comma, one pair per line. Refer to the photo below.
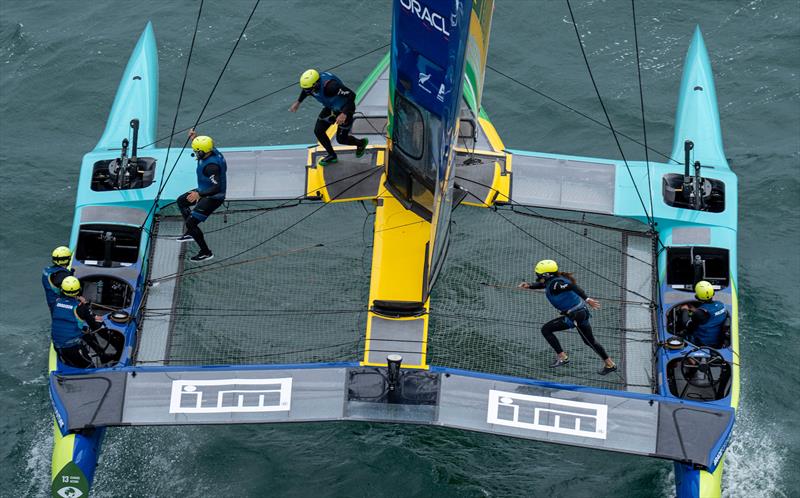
[72,320]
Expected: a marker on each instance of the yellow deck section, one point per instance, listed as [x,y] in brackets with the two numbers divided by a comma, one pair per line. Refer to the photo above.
[398,261]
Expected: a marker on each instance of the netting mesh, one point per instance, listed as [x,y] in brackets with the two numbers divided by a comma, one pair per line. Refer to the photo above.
[291,285]
[481,321]
[300,296]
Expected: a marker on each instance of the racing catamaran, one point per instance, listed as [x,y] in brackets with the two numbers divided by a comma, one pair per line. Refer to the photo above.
[375,299]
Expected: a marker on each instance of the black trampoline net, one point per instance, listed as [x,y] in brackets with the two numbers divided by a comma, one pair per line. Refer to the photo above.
[480,320]
[290,284]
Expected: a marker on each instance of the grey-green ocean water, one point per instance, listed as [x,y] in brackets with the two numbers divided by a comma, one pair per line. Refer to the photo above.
[60,62]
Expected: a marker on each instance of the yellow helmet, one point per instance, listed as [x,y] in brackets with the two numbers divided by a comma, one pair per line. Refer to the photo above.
[61,255]
[71,286]
[202,144]
[545,266]
[309,78]
[704,291]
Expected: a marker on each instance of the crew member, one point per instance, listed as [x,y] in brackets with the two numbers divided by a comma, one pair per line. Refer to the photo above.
[565,295]
[338,106]
[52,276]
[72,321]
[209,195]
[705,324]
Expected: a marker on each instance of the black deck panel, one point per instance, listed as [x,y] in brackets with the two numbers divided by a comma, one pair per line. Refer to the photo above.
[351,177]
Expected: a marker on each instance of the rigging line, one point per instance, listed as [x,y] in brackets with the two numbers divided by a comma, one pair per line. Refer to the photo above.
[183,86]
[641,105]
[552,220]
[557,251]
[568,258]
[538,92]
[165,180]
[260,258]
[270,94]
[605,112]
[515,288]
[298,198]
[280,232]
[497,211]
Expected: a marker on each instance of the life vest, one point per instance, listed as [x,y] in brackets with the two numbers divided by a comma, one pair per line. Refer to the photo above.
[565,301]
[336,102]
[204,182]
[52,292]
[709,333]
[67,327]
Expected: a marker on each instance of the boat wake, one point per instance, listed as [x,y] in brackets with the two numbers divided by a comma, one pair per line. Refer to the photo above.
[754,462]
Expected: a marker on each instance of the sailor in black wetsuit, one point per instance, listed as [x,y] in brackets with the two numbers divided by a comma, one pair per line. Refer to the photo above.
[565,295]
[338,106]
[210,194]
[72,321]
[705,324]
[52,276]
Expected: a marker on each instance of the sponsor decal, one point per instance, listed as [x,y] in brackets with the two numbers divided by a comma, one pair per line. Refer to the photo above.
[70,483]
[423,78]
[426,15]
[539,413]
[57,413]
[231,395]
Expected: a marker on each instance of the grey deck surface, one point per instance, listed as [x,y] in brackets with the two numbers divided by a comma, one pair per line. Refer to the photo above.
[156,326]
[393,336]
[563,184]
[266,174]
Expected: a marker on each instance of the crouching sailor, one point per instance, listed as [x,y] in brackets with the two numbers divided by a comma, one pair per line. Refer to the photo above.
[72,321]
[210,193]
[338,106]
[705,324]
[53,276]
[565,295]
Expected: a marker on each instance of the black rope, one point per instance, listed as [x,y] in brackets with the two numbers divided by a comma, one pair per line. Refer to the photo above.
[164,180]
[641,105]
[604,125]
[545,244]
[280,232]
[183,86]
[270,94]
[555,221]
[608,118]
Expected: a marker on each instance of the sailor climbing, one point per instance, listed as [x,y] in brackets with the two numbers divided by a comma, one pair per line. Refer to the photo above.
[338,106]
[73,322]
[565,295]
[209,195]
[704,325]
[52,276]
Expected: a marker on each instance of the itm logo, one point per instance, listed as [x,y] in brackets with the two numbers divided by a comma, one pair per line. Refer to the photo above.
[231,395]
[539,413]
[428,16]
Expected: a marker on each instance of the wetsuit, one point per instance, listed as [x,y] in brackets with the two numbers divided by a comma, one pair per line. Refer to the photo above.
[570,300]
[211,185]
[71,320]
[335,98]
[704,325]
[52,276]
